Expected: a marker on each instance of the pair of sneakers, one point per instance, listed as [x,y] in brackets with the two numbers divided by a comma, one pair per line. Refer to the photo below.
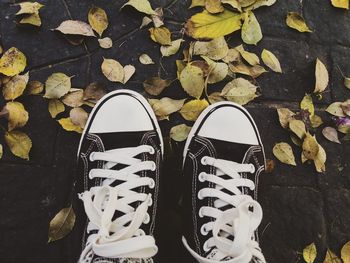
[119,173]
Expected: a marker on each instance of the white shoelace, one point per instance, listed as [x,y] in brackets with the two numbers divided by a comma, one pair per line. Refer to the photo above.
[121,237]
[240,221]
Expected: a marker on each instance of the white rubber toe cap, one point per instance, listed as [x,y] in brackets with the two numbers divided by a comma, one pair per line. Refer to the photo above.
[228,123]
[121,113]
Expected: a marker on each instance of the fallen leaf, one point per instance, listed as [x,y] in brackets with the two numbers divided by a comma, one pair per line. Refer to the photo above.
[320,160]
[285,116]
[251,32]
[345,252]
[208,26]
[158,18]
[307,104]
[271,61]
[284,153]
[34,87]
[33,19]
[233,3]
[142,6]
[240,91]
[215,97]
[232,55]
[105,43]
[322,77]
[336,109]
[316,121]
[14,87]
[160,35]
[145,22]
[129,71]
[251,58]
[171,49]
[79,117]
[192,109]
[112,70]
[1,151]
[12,62]
[55,107]
[215,49]
[331,134]
[156,85]
[341,3]
[17,115]
[57,85]
[68,125]
[29,8]
[346,107]
[240,68]
[19,143]
[179,133]
[62,224]
[310,147]
[165,106]
[246,3]
[75,27]
[296,21]
[146,59]
[94,91]
[218,72]
[192,80]
[296,140]
[214,6]
[331,257]
[98,19]
[260,3]
[310,253]
[298,127]
[74,99]
[270,166]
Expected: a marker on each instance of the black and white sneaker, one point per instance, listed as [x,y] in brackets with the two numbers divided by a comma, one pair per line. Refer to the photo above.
[119,159]
[223,158]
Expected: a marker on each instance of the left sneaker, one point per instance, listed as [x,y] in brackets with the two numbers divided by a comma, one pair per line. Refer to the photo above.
[223,158]
[119,162]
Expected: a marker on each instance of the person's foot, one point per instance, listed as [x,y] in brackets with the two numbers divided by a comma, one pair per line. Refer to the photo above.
[223,158]
[119,160]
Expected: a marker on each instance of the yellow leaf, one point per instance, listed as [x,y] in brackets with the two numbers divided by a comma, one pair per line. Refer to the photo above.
[298,127]
[296,21]
[165,106]
[336,109]
[74,99]
[1,151]
[271,61]
[12,62]
[79,117]
[217,72]
[57,85]
[331,257]
[241,68]
[285,116]
[29,8]
[113,70]
[105,43]
[145,59]
[215,49]
[347,82]
[15,86]
[232,55]
[307,104]
[75,27]
[62,224]
[345,252]
[34,87]
[172,49]
[192,109]
[17,115]
[240,91]
[98,19]
[310,147]
[260,3]
[341,3]
[320,160]
[251,31]
[68,125]
[205,25]
[316,121]
[192,80]
[284,153]
[215,97]
[160,35]
[233,3]
[214,6]
[179,133]
[251,58]
[19,143]
[322,77]
[55,107]
[129,71]
[310,253]
[142,6]
[196,3]
[33,19]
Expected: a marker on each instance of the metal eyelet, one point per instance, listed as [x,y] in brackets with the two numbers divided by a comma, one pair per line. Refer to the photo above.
[201,177]
[91,157]
[204,231]
[204,160]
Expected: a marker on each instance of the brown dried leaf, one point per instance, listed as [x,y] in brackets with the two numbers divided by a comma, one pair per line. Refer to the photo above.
[331,134]
[285,116]
[94,92]
[17,115]
[79,117]
[156,85]
[62,224]
[14,86]
[34,87]
[74,99]
[98,19]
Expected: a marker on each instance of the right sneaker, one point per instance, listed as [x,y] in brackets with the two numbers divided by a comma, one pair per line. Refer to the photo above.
[223,158]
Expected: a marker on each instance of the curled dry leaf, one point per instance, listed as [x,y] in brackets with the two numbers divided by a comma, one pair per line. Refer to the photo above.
[57,85]
[250,57]
[284,153]
[79,117]
[160,35]
[336,109]
[129,71]
[180,132]
[142,6]
[29,8]
[241,68]
[55,107]
[14,86]
[346,107]
[331,134]
[98,19]
[34,87]
[192,109]
[297,22]
[19,143]
[145,22]
[192,80]
[165,106]
[214,6]
[331,257]
[310,253]
[68,125]
[33,19]
[112,70]
[251,31]
[285,116]
[62,224]
[270,166]
[12,62]
[298,127]
[307,104]
[340,3]
[74,99]
[172,49]
[345,252]
[215,49]
[310,147]
[156,85]
[240,91]
[271,61]
[94,91]
[145,59]
[105,43]
[17,115]
[232,55]
[208,26]
[322,77]
[75,27]
[158,18]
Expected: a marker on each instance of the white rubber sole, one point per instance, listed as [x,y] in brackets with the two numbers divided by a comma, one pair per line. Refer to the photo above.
[143,101]
[207,111]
